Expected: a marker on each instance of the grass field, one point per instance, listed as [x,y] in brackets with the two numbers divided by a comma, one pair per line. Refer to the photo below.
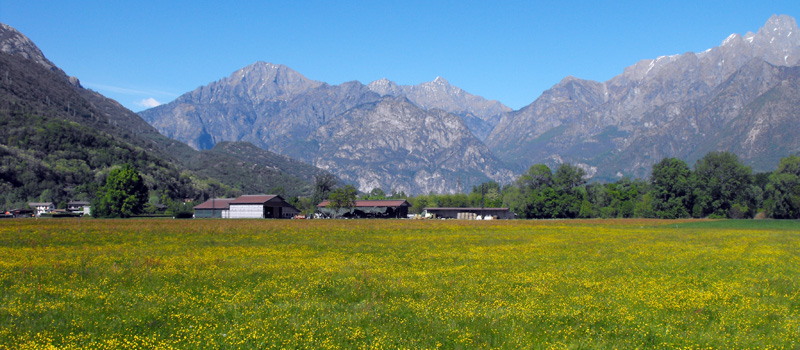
[348,284]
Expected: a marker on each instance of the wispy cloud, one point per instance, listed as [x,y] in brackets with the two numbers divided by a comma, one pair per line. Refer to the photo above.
[149,103]
[127,91]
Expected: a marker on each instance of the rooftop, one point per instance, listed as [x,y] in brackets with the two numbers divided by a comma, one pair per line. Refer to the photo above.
[215,203]
[254,199]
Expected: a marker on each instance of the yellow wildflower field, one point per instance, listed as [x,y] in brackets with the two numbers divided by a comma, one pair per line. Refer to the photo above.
[389,284]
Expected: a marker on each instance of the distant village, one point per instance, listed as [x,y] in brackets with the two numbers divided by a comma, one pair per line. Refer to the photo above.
[276,207]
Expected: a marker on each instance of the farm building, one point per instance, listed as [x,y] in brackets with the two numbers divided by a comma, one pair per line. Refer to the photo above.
[40,208]
[459,213]
[214,208]
[261,207]
[79,207]
[389,208]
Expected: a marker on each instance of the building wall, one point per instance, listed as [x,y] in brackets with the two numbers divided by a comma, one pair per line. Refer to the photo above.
[246,211]
[207,213]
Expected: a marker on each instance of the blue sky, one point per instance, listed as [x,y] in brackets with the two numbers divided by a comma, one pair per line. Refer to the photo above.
[503,50]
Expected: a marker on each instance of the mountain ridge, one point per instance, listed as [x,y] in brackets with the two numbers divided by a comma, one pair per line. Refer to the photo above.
[592,123]
[296,124]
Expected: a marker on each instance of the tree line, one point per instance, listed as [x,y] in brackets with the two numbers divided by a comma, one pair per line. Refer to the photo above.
[718,186]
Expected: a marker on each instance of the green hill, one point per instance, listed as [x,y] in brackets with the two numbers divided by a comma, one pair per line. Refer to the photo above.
[58,141]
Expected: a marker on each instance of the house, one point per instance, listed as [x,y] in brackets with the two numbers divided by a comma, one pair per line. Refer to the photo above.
[469,213]
[79,207]
[214,208]
[40,208]
[261,207]
[389,208]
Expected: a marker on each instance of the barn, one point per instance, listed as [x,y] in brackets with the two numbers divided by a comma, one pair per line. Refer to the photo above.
[261,207]
[384,209]
[214,208]
[467,213]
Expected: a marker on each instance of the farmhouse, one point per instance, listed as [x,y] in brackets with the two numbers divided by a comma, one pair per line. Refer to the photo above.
[40,208]
[469,213]
[79,207]
[261,207]
[214,208]
[390,208]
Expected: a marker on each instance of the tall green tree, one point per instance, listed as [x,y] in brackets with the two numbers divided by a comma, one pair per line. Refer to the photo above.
[123,195]
[721,183]
[672,188]
[323,185]
[529,197]
[568,182]
[343,198]
[783,190]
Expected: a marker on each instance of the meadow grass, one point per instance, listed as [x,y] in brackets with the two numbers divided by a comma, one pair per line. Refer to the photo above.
[349,284]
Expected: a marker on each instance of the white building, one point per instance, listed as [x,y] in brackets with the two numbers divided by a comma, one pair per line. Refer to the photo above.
[40,208]
[261,207]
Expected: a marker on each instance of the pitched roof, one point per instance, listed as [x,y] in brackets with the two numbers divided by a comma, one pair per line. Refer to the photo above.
[40,204]
[254,199]
[374,203]
[216,203]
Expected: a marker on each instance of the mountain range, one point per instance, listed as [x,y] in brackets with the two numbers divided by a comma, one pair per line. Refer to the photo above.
[387,140]
[268,127]
[740,96]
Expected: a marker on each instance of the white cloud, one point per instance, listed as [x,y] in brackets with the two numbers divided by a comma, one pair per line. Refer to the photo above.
[149,103]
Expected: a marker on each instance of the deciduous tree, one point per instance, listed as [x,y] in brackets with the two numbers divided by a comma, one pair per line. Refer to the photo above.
[123,195]
[783,190]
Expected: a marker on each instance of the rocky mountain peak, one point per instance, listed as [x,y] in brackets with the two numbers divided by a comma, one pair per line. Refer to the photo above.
[275,74]
[777,42]
[441,81]
[15,43]
[383,87]
[780,25]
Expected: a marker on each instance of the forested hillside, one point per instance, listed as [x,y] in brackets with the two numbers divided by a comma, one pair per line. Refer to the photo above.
[58,141]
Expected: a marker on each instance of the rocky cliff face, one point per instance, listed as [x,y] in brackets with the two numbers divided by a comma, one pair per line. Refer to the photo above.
[348,129]
[673,106]
[393,144]
[479,114]
[15,43]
